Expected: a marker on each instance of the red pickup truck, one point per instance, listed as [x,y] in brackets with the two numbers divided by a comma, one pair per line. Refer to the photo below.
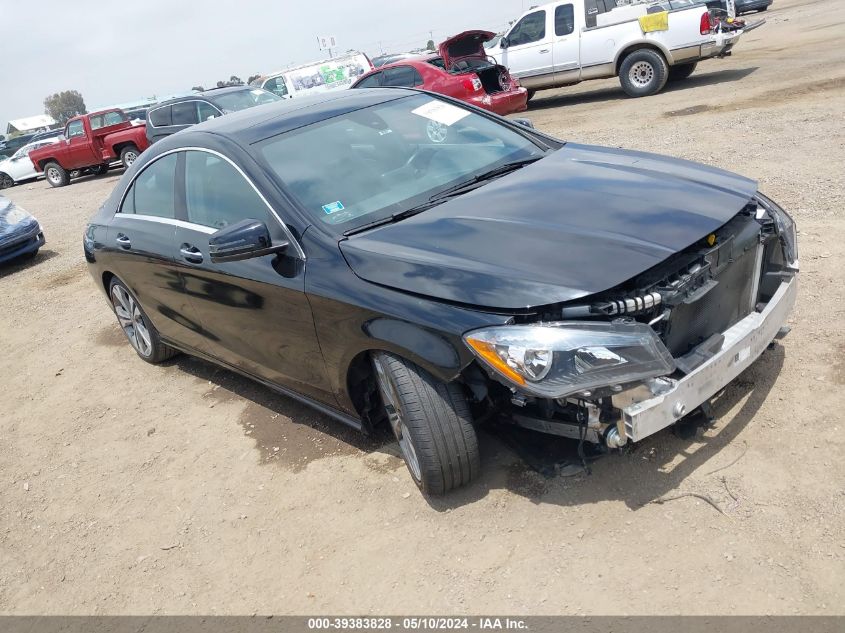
[91,141]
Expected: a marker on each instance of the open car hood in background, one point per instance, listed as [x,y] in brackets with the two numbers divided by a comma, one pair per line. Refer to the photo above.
[463,45]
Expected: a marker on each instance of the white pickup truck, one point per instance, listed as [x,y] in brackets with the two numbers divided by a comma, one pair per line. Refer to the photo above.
[564,43]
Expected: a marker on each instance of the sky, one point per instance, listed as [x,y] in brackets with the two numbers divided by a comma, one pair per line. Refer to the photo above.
[117,52]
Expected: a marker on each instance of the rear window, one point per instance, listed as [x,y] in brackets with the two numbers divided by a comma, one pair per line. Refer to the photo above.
[184,113]
[107,119]
[372,81]
[243,99]
[403,76]
[160,116]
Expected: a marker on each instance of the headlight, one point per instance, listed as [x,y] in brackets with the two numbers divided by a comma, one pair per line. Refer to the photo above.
[554,360]
[787,230]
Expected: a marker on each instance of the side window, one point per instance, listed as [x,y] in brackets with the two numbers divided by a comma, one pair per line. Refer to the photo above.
[154,189]
[75,129]
[404,76]
[217,195]
[277,86]
[531,28]
[160,116]
[184,113]
[96,121]
[206,111]
[113,118]
[564,19]
[373,81]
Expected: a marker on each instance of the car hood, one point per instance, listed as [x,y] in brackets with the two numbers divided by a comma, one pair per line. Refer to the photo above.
[582,220]
[463,45]
[13,219]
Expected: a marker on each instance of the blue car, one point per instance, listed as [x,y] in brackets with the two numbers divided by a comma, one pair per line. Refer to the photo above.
[20,233]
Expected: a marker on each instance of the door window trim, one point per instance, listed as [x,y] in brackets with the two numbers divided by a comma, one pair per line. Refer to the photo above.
[171,104]
[192,225]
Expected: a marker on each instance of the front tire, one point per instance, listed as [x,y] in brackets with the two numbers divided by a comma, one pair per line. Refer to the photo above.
[138,329]
[432,423]
[6,181]
[681,71]
[128,155]
[99,170]
[56,175]
[643,73]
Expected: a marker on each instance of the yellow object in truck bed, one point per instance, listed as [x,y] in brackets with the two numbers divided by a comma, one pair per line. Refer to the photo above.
[654,22]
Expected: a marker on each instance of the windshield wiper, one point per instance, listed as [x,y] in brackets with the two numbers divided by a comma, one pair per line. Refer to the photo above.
[445,194]
[496,172]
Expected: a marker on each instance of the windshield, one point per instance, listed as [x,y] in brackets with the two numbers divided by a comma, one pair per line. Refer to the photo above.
[243,99]
[375,162]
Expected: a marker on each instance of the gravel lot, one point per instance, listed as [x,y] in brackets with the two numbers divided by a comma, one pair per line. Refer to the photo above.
[126,488]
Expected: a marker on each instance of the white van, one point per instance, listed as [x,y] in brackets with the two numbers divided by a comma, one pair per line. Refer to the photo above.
[322,76]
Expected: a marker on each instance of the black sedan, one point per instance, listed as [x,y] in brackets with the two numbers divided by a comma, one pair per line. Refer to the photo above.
[20,233]
[396,256]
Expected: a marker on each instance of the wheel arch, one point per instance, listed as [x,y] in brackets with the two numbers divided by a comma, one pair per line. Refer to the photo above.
[117,148]
[639,45]
[434,353]
[42,162]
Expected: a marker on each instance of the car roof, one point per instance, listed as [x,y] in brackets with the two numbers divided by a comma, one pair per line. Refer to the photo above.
[260,122]
[205,94]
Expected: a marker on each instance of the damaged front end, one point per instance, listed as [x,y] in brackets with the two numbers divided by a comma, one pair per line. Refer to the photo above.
[626,363]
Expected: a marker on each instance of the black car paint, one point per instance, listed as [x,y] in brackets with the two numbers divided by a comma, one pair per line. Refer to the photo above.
[305,325]
[627,210]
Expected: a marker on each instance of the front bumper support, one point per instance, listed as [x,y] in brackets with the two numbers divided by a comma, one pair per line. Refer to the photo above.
[743,343]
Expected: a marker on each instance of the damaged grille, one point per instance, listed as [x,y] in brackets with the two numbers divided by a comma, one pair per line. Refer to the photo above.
[699,292]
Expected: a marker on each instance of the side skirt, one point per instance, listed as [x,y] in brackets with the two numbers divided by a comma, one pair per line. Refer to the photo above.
[340,416]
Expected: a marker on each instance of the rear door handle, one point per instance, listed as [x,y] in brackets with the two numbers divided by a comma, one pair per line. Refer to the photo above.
[123,241]
[191,254]
[544,50]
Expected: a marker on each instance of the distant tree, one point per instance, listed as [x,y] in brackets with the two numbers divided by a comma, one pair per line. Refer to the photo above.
[221,84]
[198,88]
[64,105]
[430,45]
[253,78]
[234,80]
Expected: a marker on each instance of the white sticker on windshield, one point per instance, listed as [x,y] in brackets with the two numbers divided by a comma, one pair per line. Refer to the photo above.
[440,111]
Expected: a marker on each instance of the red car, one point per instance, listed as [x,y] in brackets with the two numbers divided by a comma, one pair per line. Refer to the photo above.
[91,141]
[461,70]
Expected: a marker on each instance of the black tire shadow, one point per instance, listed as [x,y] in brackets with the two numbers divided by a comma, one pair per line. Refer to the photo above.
[615,93]
[636,477]
[25,262]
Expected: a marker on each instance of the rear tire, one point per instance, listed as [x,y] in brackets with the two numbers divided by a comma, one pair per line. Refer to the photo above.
[432,422]
[530,95]
[681,71]
[99,170]
[56,175]
[643,73]
[141,333]
[128,155]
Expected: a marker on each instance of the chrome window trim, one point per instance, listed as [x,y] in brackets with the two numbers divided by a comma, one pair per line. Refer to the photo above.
[171,221]
[168,105]
[278,218]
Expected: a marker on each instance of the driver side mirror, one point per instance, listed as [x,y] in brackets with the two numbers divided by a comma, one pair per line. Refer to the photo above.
[244,240]
[504,42]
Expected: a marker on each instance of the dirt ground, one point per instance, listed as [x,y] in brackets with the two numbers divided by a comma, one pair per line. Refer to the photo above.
[182,488]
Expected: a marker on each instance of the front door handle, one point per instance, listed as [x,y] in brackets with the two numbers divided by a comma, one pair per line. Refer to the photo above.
[123,241]
[191,254]
[544,50]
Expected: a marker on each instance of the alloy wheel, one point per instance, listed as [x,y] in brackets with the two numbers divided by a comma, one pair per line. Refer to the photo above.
[130,158]
[131,320]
